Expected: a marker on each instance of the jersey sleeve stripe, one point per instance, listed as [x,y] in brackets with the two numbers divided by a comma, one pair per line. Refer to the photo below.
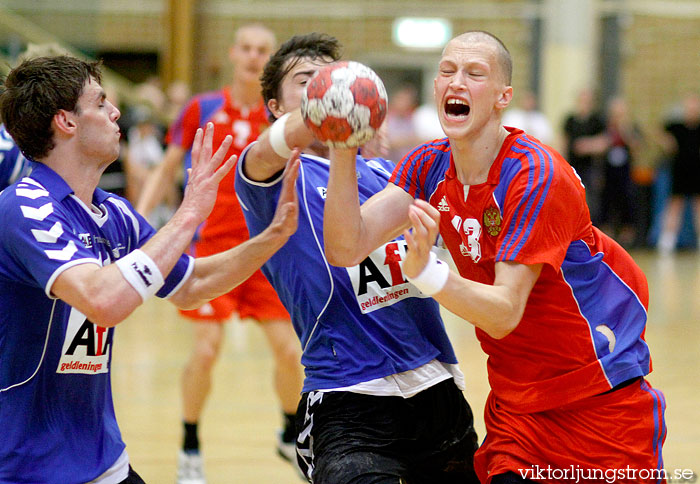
[412,172]
[403,175]
[437,148]
[540,168]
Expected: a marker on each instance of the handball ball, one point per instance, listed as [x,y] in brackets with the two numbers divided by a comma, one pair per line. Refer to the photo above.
[344,104]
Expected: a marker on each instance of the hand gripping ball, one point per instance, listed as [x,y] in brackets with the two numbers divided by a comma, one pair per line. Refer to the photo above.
[344,104]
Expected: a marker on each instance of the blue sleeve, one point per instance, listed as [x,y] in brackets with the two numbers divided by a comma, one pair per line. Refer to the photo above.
[36,240]
[258,199]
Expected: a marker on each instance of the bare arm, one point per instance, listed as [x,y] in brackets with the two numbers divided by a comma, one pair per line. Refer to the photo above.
[218,274]
[497,309]
[101,293]
[262,163]
[159,179]
[351,232]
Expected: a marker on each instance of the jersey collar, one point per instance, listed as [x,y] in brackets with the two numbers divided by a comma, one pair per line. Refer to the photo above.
[58,187]
[495,170]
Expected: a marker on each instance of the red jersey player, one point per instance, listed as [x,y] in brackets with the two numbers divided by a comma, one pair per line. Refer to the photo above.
[559,307]
[236,110]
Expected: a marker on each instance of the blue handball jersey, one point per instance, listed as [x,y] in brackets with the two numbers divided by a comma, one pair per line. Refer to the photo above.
[13,165]
[357,323]
[56,413]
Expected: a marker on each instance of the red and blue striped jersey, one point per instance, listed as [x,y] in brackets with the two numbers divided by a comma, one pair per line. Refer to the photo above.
[582,331]
[245,125]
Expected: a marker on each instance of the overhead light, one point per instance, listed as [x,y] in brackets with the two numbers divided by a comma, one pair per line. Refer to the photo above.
[421,33]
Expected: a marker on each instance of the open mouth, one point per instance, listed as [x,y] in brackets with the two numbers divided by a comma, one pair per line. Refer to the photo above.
[457,108]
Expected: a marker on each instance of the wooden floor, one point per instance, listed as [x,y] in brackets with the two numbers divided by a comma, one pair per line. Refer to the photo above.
[238,429]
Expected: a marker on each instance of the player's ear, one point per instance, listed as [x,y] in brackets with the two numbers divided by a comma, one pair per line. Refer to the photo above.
[274,108]
[64,121]
[505,98]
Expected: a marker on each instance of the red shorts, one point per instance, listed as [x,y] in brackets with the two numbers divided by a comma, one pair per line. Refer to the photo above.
[255,298]
[613,437]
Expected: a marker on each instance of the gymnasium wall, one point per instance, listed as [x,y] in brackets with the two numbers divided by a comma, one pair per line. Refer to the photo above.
[659,40]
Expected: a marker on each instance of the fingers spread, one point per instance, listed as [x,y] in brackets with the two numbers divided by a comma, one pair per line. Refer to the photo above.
[225,168]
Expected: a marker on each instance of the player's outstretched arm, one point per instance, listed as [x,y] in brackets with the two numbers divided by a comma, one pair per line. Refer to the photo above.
[497,309]
[270,152]
[160,178]
[352,231]
[107,295]
[218,274]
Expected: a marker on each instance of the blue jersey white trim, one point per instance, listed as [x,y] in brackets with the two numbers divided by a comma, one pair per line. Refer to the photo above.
[49,351]
[355,324]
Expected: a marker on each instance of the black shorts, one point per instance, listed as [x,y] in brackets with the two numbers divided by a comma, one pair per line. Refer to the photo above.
[347,437]
[132,478]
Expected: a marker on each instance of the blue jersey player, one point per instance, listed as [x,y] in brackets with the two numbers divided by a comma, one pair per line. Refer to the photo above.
[382,399]
[75,261]
[13,165]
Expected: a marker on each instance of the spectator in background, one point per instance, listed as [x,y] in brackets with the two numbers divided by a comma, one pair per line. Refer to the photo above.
[585,144]
[681,140]
[178,93]
[151,93]
[401,128]
[530,119]
[144,151]
[427,123]
[114,177]
[616,207]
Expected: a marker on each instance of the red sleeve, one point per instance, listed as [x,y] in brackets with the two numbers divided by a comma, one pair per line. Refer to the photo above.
[544,211]
[421,169]
[183,130]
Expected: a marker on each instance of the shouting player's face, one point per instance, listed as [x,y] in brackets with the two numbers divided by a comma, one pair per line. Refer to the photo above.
[96,124]
[470,90]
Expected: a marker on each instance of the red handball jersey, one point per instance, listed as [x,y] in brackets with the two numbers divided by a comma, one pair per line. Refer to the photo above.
[226,219]
[582,331]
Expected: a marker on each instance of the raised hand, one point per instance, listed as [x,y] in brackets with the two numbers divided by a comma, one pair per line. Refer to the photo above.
[206,173]
[425,225]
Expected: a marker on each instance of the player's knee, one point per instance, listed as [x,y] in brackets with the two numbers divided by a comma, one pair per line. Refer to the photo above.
[207,352]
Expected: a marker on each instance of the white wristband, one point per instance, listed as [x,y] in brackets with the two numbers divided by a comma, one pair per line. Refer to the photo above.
[433,277]
[277,141]
[141,273]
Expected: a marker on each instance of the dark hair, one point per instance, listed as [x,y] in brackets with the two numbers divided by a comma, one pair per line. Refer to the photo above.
[35,91]
[308,46]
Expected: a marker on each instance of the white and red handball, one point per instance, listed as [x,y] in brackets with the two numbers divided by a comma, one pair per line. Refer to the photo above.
[344,104]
